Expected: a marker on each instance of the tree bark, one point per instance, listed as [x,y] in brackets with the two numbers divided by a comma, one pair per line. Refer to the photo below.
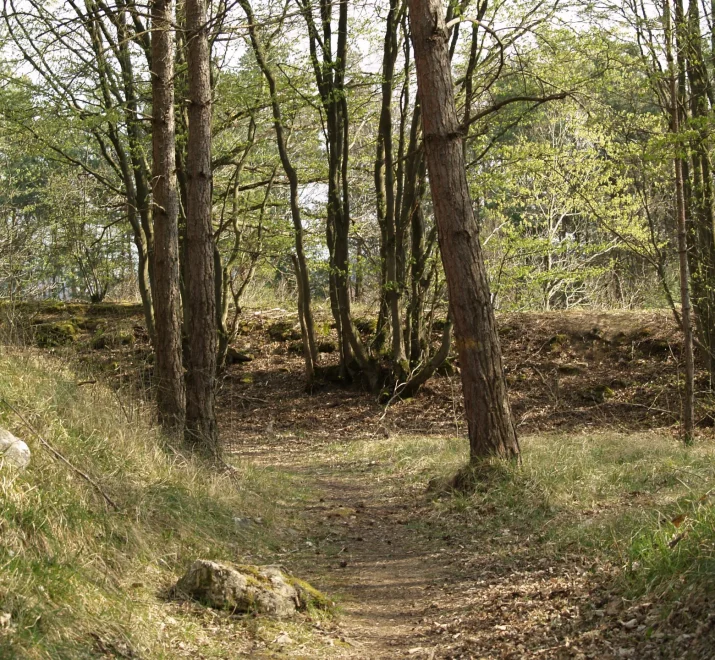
[171,399]
[689,398]
[387,214]
[201,430]
[701,234]
[329,70]
[491,426]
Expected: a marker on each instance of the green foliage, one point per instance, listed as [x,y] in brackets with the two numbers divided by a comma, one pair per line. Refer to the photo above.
[674,555]
[283,331]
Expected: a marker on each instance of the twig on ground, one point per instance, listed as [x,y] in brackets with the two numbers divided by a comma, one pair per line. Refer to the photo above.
[648,408]
[245,397]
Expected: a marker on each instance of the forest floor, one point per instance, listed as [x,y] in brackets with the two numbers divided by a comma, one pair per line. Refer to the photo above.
[543,561]
[428,574]
[417,577]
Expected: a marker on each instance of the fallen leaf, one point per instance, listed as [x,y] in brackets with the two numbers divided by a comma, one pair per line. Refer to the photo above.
[678,520]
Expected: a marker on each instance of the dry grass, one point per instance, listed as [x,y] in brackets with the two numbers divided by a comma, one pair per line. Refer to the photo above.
[78,579]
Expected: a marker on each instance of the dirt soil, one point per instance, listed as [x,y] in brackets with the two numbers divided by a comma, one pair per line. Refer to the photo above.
[413,585]
[610,370]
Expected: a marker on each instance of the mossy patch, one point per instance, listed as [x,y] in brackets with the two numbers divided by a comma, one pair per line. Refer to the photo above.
[311,599]
[327,346]
[365,325]
[59,333]
[296,347]
[598,394]
[112,339]
[283,331]
[557,342]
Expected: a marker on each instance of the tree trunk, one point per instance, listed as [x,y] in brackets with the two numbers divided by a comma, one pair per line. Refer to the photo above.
[329,70]
[171,399]
[302,274]
[701,256]
[689,399]
[385,190]
[489,418]
[309,363]
[201,431]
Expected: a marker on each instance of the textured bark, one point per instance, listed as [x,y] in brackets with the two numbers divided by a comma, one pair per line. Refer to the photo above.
[329,70]
[702,231]
[167,301]
[135,132]
[201,430]
[413,385]
[489,418]
[309,364]
[387,213]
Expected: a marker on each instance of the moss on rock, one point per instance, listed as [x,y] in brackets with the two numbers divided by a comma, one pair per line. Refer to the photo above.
[60,333]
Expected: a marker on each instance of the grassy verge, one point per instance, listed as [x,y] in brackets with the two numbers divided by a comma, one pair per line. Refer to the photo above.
[80,580]
[641,501]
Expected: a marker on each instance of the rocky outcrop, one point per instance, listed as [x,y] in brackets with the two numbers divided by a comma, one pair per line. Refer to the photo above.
[239,588]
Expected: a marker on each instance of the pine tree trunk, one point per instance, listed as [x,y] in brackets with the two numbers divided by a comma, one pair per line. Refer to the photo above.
[167,300]
[201,431]
[491,427]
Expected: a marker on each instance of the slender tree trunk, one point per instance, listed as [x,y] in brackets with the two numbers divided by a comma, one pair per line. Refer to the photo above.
[385,190]
[171,399]
[309,364]
[302,273]
[143,281]
[359,273]
[329,70]
[489,418]
[689,398]
[201,430]
[701,255]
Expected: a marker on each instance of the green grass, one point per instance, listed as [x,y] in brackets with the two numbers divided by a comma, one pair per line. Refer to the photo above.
[604,495]
[79,579]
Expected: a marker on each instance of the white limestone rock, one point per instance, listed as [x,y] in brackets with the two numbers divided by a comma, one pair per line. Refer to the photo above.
[13,451]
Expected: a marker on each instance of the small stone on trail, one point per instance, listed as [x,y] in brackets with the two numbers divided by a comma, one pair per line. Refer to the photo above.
[283,639]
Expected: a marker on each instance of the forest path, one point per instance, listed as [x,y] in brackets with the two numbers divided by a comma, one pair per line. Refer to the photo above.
[387,570]
[366,547]
[412,584]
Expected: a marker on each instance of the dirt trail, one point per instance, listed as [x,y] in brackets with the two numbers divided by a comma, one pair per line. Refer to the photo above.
[386,571]
[416,585]
[408,588]
[411,585]
[365,549]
